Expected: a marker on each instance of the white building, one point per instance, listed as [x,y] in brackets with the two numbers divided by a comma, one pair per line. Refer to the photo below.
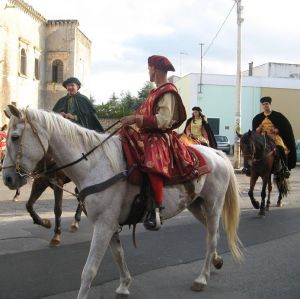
[36,55]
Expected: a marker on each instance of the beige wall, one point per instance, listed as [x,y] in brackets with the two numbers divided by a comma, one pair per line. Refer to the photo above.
[23,27]
[286,101]
[19,30]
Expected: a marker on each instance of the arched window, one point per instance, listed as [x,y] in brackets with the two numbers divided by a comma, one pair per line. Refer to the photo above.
[57,71]
[23,62]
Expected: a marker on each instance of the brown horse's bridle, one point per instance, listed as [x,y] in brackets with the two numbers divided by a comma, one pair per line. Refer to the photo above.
[253,153]
[17,164]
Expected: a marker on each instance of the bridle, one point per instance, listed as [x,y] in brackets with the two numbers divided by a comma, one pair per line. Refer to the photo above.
[17,164]
[252,154]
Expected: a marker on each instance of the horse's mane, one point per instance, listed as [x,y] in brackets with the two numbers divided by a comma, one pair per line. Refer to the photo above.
[54,123]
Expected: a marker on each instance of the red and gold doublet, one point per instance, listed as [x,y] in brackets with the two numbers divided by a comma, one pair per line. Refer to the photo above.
[157,150]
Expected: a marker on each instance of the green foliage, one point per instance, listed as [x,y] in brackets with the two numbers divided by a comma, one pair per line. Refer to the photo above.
[126,104]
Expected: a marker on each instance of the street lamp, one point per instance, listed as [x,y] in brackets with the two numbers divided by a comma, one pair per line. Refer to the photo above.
[201,69]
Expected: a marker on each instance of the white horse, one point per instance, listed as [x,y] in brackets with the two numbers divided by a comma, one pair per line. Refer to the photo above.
[34,132]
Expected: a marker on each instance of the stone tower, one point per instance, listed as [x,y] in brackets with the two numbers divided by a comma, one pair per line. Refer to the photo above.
[36,55]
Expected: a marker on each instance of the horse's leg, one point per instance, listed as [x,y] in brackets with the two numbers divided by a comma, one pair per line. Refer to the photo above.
[125,279]
[197,209]
[279,187]
[269,193]
[253,180]
[39,185]
[17,194]
[58,195]
[279,203]
[75,224]
[262,211]
[212,224]
[102,234]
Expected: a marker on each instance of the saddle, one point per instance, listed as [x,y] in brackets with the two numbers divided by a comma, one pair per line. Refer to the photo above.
[199,168]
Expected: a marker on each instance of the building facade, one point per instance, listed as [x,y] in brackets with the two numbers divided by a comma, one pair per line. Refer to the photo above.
[217,99]
[36,55]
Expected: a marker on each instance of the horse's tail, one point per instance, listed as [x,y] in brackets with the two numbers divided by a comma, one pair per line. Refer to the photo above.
[231,213]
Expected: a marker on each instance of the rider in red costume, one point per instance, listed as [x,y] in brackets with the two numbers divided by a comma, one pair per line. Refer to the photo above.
[153,143]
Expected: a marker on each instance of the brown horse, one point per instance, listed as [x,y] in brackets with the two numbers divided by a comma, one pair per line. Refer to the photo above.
[56,181]
[259,152]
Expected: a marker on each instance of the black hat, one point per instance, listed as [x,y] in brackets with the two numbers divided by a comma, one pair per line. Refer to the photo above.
[71,80]
[197,109]
[266,99]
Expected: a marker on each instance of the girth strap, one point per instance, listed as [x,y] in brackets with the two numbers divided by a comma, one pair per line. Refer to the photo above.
[101,186]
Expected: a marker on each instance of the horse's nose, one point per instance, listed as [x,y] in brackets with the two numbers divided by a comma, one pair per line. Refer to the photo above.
[8,180]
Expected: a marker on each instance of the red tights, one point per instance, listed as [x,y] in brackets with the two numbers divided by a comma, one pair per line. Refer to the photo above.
[156,182]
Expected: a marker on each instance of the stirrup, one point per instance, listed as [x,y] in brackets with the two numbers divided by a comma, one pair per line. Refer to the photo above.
[154,221]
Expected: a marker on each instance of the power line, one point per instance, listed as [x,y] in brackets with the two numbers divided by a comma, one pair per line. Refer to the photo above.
[210,44]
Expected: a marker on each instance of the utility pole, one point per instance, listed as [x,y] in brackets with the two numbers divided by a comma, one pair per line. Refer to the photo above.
[237,150]
[201,69]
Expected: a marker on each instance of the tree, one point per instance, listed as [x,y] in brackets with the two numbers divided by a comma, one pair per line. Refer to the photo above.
[125,104]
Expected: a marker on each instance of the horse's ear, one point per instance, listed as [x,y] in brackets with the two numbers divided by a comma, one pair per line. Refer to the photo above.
[7,112]
[15,111]
[238,134]
[249,132]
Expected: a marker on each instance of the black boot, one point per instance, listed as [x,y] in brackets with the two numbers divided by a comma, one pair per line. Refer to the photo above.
[153,220]
[284,171]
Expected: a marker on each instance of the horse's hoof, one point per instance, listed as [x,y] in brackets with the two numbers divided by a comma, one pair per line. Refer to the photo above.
[218,262]
[255,204]
[262,213]
[55,240]
[279,204]
[198,286]
[74,227]
[46,223]
[54,243]
[16,198]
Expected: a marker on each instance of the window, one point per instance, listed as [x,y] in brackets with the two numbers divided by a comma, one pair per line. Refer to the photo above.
[36,69]
[57,71]
[23,62]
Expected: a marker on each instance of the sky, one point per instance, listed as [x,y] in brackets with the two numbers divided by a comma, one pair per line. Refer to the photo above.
[124,33]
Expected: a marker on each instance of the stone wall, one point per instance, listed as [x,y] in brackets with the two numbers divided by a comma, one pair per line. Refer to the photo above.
[22,27]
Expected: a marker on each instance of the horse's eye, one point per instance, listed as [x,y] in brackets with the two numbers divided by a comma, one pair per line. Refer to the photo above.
[14,138]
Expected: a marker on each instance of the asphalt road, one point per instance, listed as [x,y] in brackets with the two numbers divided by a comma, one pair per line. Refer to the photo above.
[165,263]
[174,254]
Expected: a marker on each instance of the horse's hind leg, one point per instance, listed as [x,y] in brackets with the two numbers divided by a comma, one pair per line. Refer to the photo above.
[197,209]
[58,195]
[212,224]
[75,224]
[38,187]
[125,279]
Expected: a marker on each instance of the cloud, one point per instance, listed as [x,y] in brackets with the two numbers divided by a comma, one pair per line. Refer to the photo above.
[125,32]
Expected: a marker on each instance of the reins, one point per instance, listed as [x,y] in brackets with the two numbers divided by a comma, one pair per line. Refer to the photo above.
[84,156]
[253,153]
